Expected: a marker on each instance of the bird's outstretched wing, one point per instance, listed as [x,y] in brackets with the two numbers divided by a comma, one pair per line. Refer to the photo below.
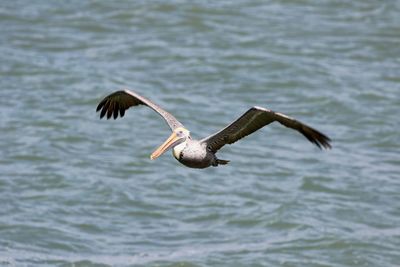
[256,118]
[120,101]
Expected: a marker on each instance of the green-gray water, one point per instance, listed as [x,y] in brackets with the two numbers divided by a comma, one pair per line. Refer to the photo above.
[79,191]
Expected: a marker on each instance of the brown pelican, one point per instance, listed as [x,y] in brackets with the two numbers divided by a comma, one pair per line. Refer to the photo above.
[201,153]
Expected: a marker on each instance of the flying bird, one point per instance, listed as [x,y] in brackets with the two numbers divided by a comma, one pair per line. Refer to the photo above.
[201,153]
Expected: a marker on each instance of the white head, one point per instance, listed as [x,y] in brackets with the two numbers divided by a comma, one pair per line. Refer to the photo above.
[178,136]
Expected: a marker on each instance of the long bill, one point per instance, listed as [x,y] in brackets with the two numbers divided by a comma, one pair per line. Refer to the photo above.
[172,140]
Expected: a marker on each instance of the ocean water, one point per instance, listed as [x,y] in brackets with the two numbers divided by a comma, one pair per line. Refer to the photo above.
[79,191]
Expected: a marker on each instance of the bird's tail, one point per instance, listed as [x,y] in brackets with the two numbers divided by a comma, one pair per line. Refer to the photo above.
[222,162]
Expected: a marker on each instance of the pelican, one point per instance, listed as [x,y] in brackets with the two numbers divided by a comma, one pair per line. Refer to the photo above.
[201,153]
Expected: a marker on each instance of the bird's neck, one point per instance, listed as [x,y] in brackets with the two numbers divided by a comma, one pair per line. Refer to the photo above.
[177,150]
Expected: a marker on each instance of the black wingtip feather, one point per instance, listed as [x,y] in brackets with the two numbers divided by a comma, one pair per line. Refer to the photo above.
[101,104]
[103,112]
[110,111]
[116,110]
[98,107]
[109,107]
[317,138]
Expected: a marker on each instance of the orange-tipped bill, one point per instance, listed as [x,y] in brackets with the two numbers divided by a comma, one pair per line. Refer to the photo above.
[172,140]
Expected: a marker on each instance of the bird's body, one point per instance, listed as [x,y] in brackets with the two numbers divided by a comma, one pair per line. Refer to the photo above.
[201,153]
[193,154]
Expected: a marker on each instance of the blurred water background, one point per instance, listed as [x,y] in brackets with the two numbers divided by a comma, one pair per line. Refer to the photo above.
[79,191]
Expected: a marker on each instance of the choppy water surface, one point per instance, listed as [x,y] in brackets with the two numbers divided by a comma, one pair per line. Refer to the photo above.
[77,191]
